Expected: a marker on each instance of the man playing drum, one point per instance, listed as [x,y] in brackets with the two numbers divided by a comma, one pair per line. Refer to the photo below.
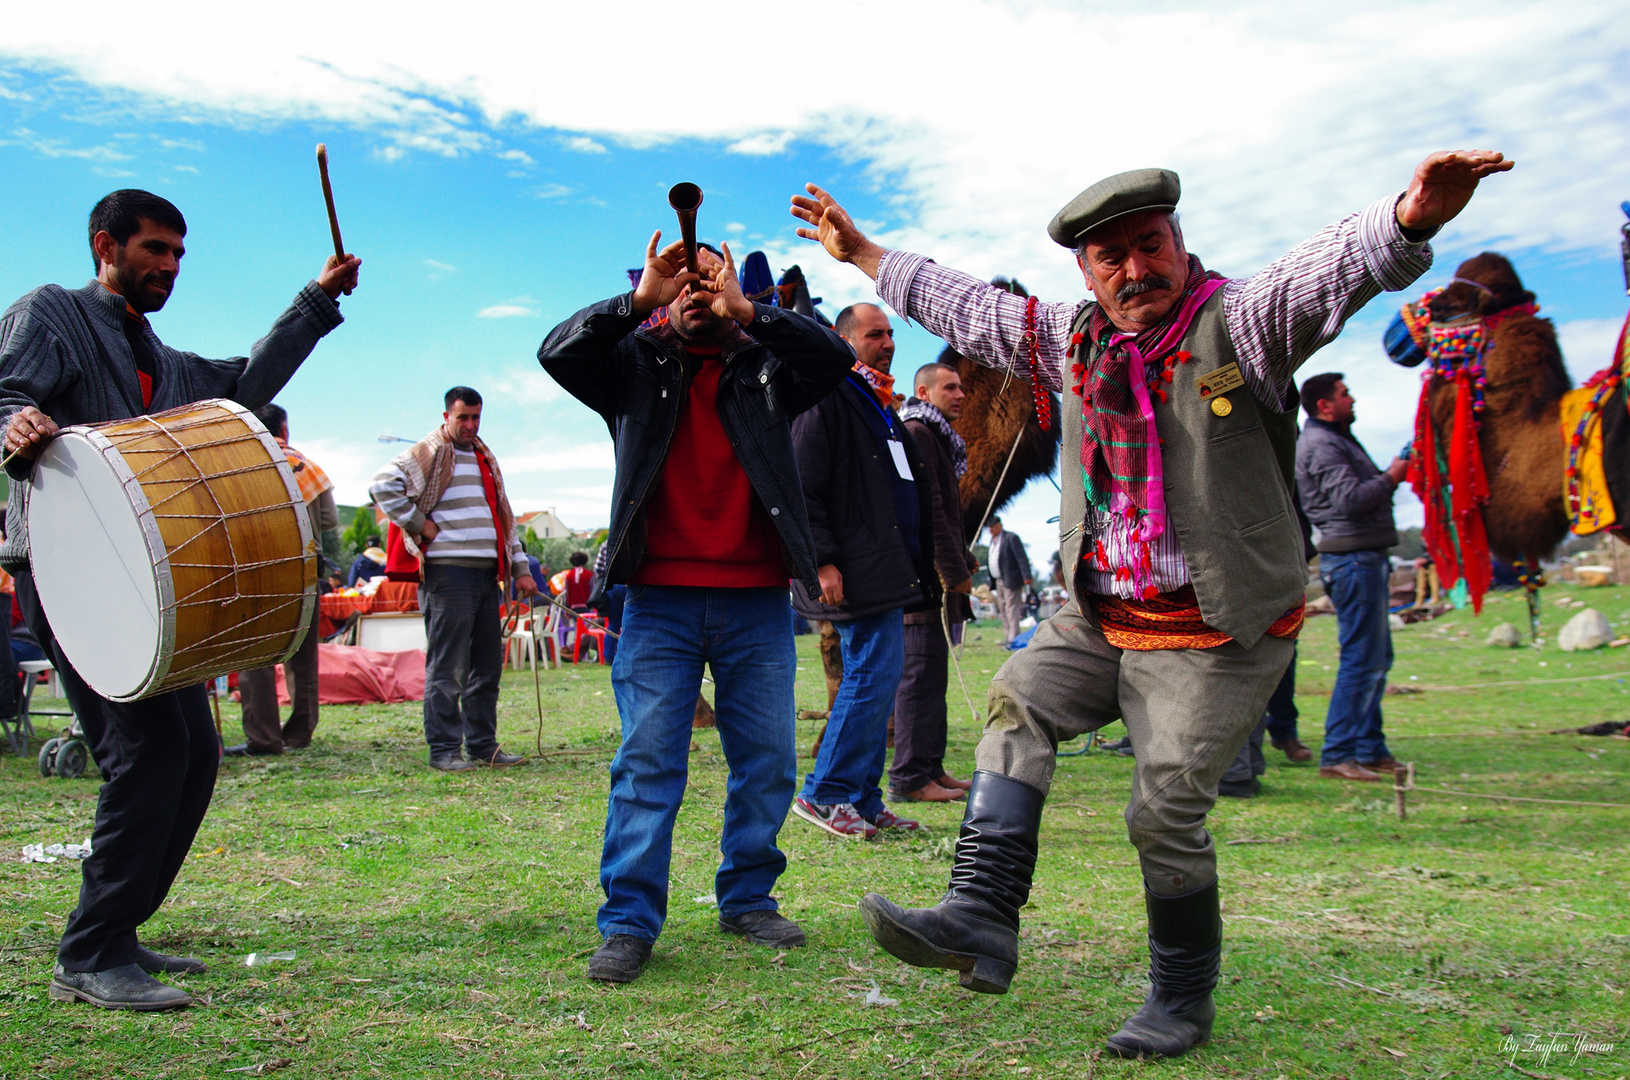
[1183,555]
[88,356]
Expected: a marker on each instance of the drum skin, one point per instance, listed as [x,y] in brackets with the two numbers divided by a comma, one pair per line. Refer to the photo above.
[171,549]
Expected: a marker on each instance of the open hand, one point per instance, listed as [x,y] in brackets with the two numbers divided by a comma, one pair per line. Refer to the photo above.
[835,230]
[1443,185]
[28,432]
[339,275]
[663,277]
[719,281]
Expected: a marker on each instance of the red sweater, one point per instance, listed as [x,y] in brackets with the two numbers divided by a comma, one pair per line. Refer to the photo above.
[705,525]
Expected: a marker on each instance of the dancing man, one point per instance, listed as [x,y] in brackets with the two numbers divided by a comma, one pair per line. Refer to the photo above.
[84,357]
[707,523]
[1181,546]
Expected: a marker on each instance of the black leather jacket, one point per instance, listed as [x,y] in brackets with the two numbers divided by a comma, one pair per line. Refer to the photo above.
[636,379]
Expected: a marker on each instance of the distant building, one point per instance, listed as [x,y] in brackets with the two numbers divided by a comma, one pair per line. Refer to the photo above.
[545,524]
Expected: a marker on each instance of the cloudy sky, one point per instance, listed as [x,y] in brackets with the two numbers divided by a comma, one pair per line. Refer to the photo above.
[498,166]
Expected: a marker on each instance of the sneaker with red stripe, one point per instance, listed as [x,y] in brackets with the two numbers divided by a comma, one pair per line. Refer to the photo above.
[888,819]
[839,819]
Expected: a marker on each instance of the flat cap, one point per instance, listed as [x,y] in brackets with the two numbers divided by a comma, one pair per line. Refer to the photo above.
[1114,197]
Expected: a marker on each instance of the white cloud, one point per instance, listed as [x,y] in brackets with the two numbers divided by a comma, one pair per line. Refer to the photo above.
[763,144]
[506,311]
[735,227]
[595,455]
[1587,345]
[580,144]
[516,155]
[441,267]
[1282,116]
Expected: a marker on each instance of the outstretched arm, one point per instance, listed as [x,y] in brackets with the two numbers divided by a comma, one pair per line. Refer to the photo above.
[1443,184]
[979,320]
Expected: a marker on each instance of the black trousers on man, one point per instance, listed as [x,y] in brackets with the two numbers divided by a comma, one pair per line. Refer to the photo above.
[919,709]
[465,659]
[258,691]
[158,759]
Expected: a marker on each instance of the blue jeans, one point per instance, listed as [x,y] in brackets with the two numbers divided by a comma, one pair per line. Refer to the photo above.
[1282,712]
[1357,584]
[856,743]
[669,632]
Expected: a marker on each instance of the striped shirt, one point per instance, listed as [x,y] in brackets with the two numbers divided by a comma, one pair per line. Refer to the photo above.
[465,529]
[1277,318]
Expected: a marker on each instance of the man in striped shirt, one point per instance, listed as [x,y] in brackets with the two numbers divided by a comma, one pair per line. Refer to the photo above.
[446,494]
[1184,556]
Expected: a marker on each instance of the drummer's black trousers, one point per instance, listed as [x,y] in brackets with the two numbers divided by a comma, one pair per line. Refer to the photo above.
[158,759]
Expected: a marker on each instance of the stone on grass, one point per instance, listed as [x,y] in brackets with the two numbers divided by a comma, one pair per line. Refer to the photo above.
[1585,631]
[1396,622]
[1504,636]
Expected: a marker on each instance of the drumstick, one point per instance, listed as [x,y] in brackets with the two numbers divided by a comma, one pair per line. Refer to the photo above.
[328,197]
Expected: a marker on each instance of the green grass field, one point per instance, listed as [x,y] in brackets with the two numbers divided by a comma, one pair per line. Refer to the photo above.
[440,924]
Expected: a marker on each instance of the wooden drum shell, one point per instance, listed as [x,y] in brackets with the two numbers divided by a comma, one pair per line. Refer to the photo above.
[232,548]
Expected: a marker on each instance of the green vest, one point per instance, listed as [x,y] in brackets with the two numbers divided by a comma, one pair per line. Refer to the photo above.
[1227,487]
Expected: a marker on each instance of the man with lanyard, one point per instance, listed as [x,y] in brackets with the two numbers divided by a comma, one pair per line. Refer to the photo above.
[447,496]
[1187,581]
[871,514]
[85,357]
[707,522]
[257,689]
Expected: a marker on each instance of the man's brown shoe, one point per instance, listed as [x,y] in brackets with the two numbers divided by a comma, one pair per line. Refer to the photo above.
[951,783]
[1293,749]
[1385,765]
[1347,770]
[929,792]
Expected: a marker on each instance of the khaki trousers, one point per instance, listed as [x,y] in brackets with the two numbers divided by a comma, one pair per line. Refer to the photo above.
[257,690]
[1187,711]
[1010,606]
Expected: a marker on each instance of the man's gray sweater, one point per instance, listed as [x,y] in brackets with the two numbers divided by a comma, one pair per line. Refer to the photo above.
[1344,494]
[65,353]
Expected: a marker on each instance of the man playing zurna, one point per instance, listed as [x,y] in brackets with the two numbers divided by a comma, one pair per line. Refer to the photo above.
[1186,576]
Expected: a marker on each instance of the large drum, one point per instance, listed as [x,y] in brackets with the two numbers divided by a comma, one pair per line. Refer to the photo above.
[170,549]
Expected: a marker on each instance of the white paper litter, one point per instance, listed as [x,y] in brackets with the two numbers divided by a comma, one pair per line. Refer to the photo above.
[709,899]
[264,958]
[53,852]
[874,996]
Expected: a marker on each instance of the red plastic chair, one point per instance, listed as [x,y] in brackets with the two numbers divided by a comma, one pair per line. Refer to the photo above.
[597,634]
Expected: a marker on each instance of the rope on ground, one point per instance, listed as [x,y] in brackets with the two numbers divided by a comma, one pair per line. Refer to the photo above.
[1404,781]
[950,646]
[1528,682]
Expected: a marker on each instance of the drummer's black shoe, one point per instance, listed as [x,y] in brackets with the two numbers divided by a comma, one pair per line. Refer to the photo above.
[245,750]
[450,763]
[154,962]
[127,987]
[497,756]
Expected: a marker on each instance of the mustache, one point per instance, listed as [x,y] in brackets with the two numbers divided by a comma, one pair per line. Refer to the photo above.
[1137,288]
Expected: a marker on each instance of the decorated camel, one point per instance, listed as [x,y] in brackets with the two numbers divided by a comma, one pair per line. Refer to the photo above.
[1506,457]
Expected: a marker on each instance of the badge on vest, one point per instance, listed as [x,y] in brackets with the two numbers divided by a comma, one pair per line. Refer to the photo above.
[1219,382]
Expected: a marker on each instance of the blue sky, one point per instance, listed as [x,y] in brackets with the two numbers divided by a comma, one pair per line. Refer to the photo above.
[499,171]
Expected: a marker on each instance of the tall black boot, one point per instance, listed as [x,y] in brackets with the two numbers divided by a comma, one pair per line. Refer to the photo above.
[974,929]
[1185,955]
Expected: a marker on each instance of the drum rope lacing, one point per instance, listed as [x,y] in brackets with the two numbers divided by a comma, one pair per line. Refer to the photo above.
[177,449]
